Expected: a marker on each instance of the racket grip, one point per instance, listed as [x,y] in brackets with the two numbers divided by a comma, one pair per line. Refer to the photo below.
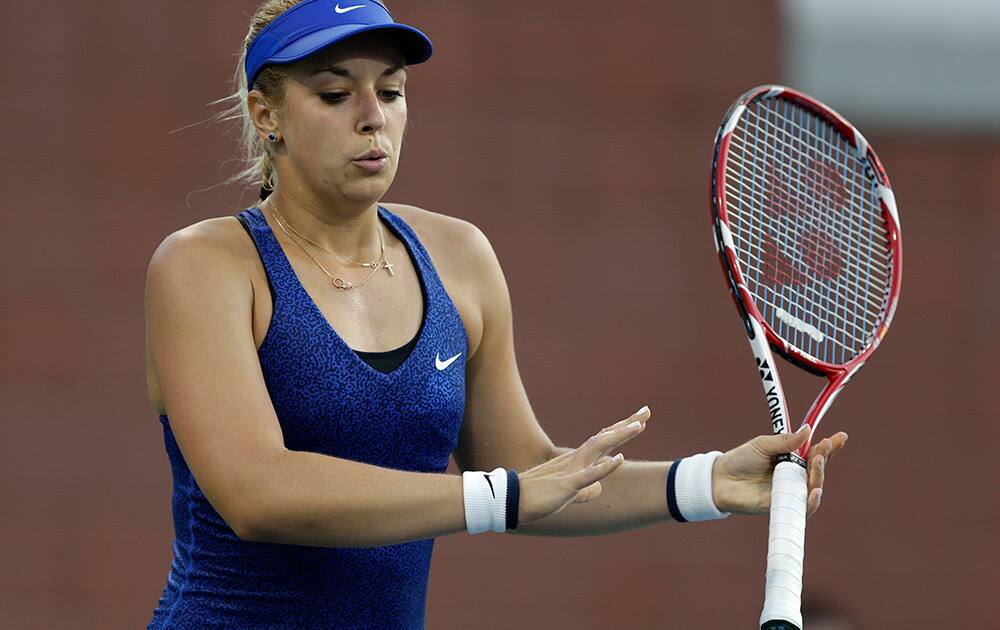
[785,548]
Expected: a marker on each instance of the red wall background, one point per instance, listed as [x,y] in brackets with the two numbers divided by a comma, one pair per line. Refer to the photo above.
[577,135]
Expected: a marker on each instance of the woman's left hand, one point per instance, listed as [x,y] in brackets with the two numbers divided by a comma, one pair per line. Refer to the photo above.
[741,477]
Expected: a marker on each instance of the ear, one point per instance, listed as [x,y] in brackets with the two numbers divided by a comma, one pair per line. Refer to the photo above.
[264,116]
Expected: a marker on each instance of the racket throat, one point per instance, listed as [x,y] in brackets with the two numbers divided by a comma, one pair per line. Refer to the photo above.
[774,395]
[775,400]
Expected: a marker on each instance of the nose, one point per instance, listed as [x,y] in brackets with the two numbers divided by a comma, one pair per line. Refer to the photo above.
[371,117]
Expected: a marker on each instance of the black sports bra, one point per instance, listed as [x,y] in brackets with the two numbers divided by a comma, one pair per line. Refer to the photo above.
[382,361]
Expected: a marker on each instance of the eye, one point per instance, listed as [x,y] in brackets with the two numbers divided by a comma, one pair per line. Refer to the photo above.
[333,97]
[392,95]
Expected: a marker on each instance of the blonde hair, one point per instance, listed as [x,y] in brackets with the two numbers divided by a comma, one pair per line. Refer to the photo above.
[256,162]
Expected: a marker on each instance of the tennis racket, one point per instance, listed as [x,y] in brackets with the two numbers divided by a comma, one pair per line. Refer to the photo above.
[808,236]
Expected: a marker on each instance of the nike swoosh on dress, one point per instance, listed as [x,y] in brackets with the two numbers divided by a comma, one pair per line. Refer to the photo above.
[444,364]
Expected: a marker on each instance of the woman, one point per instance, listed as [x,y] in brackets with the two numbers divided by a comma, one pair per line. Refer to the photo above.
[322,356]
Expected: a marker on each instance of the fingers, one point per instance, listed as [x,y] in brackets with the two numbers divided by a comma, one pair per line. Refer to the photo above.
[592,474]
[589,493]
[772,445]
[819,455]
[614,436]
[837,442]
[817,472]
[830,445]
[642,415]
[813,504]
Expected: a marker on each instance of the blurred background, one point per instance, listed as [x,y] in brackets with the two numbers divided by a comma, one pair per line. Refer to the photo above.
[578,137]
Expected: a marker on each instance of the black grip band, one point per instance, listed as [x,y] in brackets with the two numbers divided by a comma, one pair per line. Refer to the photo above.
[791,457]
[779,624]
[513,498]
[675,511]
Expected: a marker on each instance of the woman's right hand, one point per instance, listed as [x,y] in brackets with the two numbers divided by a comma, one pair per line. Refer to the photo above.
[574,476]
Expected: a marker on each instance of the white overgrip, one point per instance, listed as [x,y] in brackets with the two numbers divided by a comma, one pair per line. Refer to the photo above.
[786,545]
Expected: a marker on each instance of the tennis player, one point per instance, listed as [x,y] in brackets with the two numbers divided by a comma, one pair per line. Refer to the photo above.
[322,354]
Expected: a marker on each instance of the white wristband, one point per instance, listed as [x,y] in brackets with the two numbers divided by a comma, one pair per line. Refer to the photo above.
[485,497]
[689,489]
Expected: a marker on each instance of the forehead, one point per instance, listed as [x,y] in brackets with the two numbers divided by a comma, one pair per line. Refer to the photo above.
[371,51]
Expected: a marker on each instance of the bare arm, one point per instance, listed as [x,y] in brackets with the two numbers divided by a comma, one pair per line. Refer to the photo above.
[198,307]
[633,496]
[330,502]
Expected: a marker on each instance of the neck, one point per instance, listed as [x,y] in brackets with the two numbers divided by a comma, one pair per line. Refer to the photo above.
[350,232]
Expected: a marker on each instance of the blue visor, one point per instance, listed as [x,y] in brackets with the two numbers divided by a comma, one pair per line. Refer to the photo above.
[315,24]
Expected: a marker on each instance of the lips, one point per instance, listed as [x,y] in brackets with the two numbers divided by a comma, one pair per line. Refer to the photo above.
[374,154]
[375,161]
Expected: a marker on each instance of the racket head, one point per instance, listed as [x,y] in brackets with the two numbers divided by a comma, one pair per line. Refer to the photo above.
[807,230]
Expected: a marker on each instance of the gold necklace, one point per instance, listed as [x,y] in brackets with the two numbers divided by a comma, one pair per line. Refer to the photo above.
[337,282]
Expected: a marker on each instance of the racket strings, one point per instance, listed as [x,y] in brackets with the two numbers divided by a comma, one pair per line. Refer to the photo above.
[809,230]
[881,260]
[827,180]
[847,330]
[857,189]
[789,195]
[808,293]
[851,239]
[784,139]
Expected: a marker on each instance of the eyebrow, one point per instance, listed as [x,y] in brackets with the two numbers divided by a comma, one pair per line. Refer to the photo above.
[341,72]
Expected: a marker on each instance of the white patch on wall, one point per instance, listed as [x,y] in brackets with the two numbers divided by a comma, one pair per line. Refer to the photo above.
[898,64]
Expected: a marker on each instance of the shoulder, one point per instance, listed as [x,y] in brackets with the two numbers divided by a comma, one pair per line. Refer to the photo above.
[457,242]
[452,236]
[214,238]
[215,249]
[436,227]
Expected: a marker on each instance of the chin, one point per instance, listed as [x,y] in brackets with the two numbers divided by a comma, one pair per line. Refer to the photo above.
[368,189]
[366,192]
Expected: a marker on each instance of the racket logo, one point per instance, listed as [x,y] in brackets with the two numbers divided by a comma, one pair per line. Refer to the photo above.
[771,395]
[774,406]
[794,251]
[764,369]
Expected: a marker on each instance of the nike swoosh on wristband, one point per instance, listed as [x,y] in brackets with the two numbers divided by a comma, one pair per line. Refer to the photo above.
[347,9]
[444,364]
[490,481]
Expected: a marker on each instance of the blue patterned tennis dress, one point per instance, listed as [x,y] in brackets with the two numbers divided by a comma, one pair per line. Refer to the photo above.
[328,400]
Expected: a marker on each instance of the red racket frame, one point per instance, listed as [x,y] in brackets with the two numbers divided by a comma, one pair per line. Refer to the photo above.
[837,374]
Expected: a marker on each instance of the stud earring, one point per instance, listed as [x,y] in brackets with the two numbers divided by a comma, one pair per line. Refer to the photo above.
[272,137]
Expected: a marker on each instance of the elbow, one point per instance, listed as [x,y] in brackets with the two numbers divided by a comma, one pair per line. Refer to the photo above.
[248,512]
[249,526]
[259,526]
[253,508]
[271,522]
[247,530]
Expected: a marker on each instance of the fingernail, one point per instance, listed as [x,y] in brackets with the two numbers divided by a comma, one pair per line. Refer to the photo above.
[634,425]
[802,428]
[819,495]
[642,409]
[617,458]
